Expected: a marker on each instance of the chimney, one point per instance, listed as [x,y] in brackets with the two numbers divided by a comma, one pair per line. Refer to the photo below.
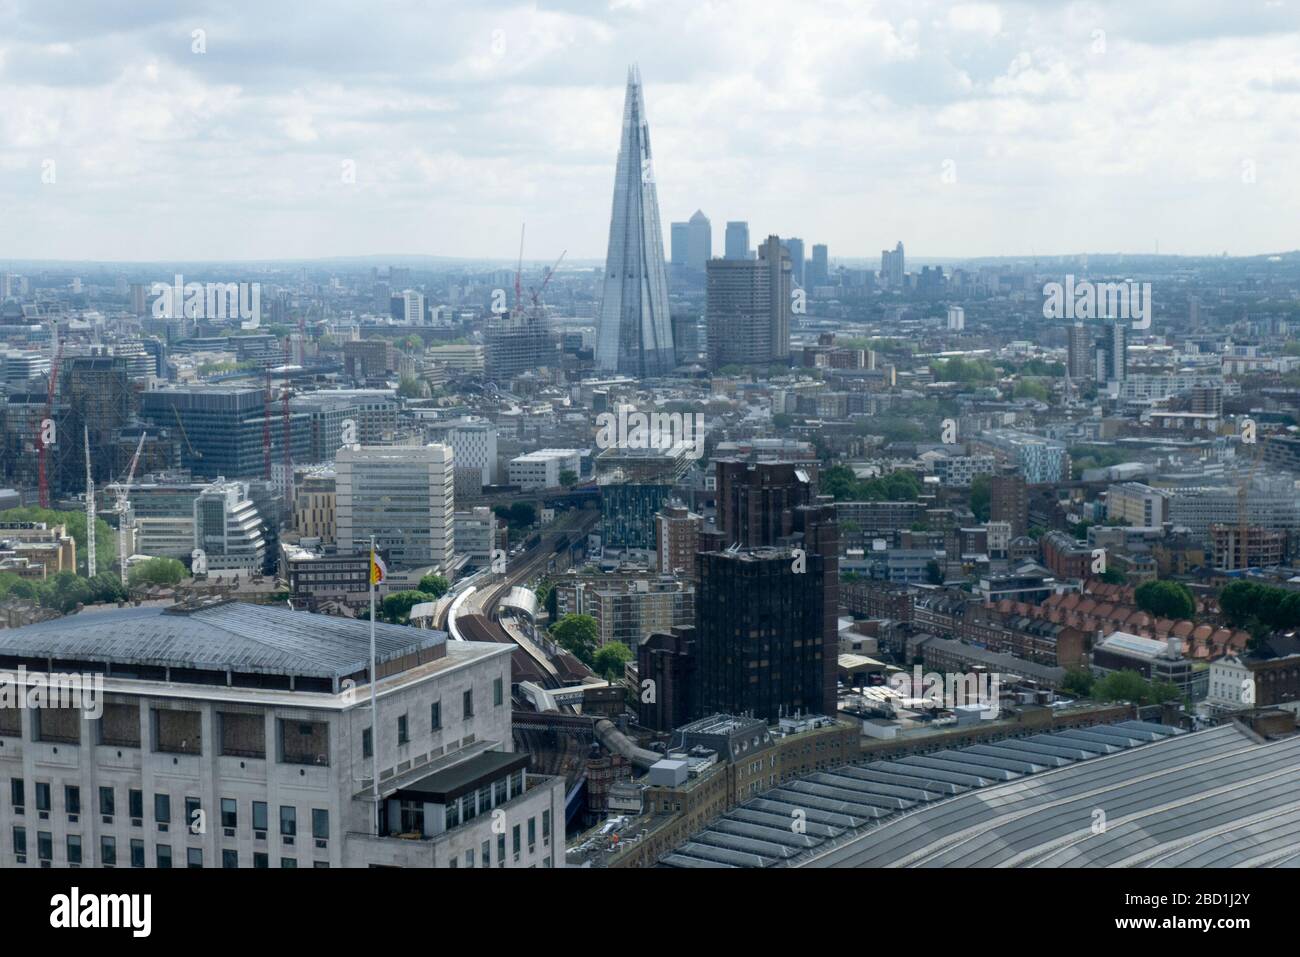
[1175,646]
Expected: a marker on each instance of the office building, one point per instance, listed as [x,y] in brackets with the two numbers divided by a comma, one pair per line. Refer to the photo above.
[892,267]
[628,513]
[544,468]
[692,242]
[1112,353]
[403,497]
[795,248]
[759,635]
[250,718]
[819,267]
[1132,503]
[756,499]
[228,530]
[633,332]
[737,241]
[1043,461]
[677,539]
[221,428]
[956,319]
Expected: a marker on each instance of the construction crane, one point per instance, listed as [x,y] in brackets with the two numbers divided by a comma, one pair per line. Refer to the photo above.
[123,510]
[266,427]
[536,294]
[288,445]
[48,421]
[1239,558]
[90,508]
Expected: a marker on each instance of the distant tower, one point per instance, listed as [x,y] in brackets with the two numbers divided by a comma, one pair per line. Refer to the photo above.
[737,241]
[1079,352]
[634,334]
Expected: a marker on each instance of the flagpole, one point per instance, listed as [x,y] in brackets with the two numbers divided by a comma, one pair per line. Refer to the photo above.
[374,708]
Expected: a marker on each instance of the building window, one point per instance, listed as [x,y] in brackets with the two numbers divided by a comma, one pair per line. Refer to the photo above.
[193,857]
[367,744]
[260,859]
[107,802]
[498,692]
[546,827]
[108,851]
[135,802]
[194,816]
[17,792]
[532,834]
[288,862]
[20,843]
[164,855]
[42,796]
[485,854]
[229,813]
[515,841]
[137,852]
[288,820]
[435,716]
[501,850]
[259,815]
[229,858]
[467,703]
[320,823]
[162,809]
[45,845]
[402,736]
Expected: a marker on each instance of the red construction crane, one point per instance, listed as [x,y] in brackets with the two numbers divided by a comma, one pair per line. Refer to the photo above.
[266,426]
[43,483]
[536,294]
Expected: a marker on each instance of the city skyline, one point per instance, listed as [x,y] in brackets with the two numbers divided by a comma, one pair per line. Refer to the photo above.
[969,130]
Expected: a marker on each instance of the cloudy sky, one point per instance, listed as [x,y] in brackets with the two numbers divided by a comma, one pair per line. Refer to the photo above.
[962,129]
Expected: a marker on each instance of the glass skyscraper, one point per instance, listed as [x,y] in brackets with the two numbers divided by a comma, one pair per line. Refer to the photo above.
[634,333]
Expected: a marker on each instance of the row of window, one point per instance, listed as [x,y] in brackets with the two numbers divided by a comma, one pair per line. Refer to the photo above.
[195,819]
[435,717]
[485,852]
[108,852]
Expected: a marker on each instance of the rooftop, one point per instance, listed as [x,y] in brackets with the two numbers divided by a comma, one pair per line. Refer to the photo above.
[220,636]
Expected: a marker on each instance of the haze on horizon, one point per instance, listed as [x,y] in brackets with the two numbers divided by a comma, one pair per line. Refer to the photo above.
[967,130]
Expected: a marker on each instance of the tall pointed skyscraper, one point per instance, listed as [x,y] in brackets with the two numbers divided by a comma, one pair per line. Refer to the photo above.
[634,334]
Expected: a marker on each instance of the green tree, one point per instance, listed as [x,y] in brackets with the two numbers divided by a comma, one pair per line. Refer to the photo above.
[1078,681]
[105,537]
[981,497]
[396,608]
[610,659]
[434,585]
[578,635]
[412,388]
[1165,599]
[568,477]
[1113,576]
[157,571]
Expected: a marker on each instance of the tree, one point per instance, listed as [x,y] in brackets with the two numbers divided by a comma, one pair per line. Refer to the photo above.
[933,572]
[1121,686]
[981,497]
[610,659]
[568,477]
[105,537]
[1113,576]
[411,388]
[1078,681]
[1165,599]
[396,608]
[157,571]
[578,635]
[434,585]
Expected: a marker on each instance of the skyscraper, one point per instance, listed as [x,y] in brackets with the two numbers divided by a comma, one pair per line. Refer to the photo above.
[795,246]
[892,266]
[634,334]
[821,266]
[737,240]
[692,242]
[1079,351]
[748,308]
[1112,353]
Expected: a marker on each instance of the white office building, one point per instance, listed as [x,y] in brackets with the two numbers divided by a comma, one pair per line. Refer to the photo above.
[233,735]
[402,496]
[542,469]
